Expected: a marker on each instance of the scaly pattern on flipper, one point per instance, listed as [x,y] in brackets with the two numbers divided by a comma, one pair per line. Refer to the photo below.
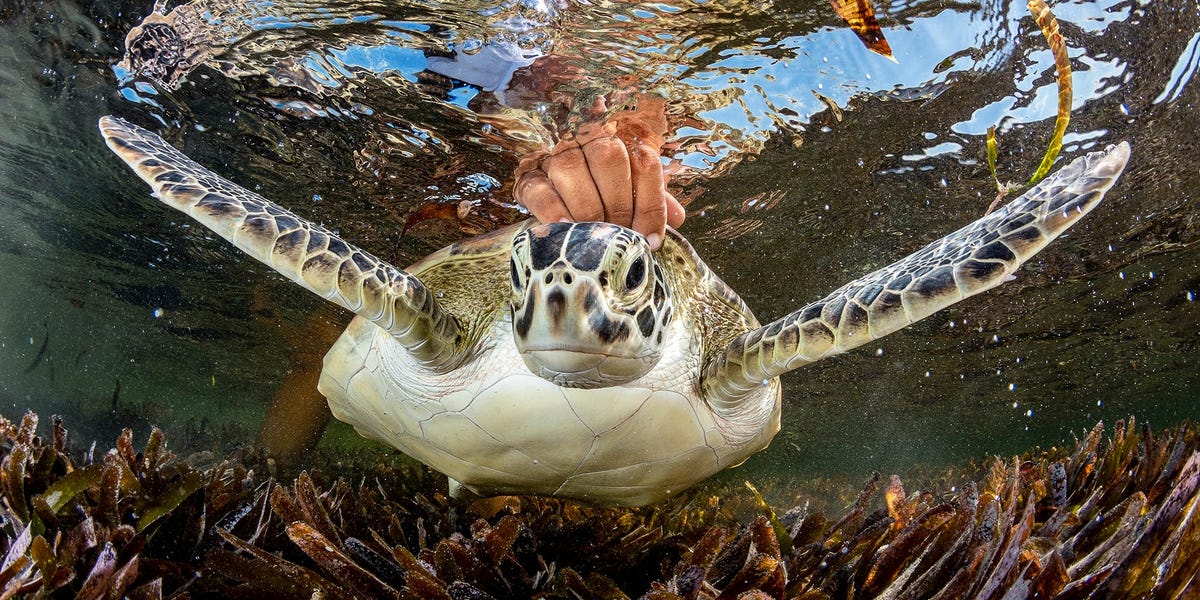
[304,252]
[971,260]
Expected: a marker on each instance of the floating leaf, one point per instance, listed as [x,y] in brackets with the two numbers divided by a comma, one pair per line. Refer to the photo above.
[432,211]
[860,16]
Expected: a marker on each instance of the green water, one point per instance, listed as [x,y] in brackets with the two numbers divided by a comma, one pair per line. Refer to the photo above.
[118,313]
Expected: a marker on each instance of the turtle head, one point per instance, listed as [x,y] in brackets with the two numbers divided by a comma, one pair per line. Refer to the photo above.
[590,306]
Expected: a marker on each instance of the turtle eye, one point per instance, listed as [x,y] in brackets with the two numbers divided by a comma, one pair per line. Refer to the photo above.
[636,274]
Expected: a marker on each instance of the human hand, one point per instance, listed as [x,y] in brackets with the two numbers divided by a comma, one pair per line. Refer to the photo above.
[608,171]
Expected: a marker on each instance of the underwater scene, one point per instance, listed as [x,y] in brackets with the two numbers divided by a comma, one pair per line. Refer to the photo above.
[810,143]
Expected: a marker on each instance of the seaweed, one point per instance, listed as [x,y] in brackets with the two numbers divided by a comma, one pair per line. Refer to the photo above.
[1113,517]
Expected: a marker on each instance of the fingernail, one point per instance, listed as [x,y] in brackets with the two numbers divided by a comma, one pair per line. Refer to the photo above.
[655,241]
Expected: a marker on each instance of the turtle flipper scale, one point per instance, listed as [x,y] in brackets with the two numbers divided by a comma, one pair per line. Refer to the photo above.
[971,260]
[304,252]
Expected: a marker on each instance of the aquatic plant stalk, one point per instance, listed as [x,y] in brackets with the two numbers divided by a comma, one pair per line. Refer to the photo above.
[992,153]
[1062,63]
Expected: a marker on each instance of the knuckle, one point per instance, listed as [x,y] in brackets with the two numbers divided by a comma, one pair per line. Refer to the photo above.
[644,158]
[588,213]
[607,152]
[622,215]
[535,193]
[652,210]
[528,181]
[568,159]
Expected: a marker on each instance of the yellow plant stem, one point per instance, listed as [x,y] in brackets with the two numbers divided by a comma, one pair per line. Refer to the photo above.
[1045,19]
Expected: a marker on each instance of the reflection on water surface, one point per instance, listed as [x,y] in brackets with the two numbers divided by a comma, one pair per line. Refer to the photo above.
[809,161]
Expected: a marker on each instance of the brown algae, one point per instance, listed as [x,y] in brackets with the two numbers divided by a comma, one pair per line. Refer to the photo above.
[1114,518]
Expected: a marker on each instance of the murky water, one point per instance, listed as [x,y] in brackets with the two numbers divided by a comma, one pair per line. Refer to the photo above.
[810,161]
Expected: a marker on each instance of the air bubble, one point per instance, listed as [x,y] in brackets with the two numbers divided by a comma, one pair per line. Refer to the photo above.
[879,352]
[1012,387]
[471,46]
[156,313]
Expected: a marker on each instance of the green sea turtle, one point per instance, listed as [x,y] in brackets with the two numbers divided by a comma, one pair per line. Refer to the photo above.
[567,359]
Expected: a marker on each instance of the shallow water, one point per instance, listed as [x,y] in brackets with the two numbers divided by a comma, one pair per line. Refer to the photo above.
[117,309]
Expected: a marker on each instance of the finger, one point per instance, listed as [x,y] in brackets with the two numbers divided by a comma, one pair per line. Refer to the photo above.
[596,109]
[676,213]
[568,171]
[529,162]
[650,193]
[608,163]
[536,193]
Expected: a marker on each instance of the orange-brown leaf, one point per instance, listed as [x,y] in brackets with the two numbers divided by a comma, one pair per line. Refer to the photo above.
[860,16]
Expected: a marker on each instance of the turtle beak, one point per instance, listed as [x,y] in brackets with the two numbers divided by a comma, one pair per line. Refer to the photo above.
[567,315]
[566,336]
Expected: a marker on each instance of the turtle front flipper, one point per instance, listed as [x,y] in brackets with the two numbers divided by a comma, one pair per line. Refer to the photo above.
[971,260]
[304,252]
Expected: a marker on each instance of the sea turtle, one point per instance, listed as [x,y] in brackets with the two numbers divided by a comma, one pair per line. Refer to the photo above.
[567,359]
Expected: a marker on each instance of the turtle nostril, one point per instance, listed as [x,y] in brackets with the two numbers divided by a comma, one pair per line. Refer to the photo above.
[549,278]
[567,278]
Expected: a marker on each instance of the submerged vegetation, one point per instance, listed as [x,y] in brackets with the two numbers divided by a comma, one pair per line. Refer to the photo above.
[1115,517]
